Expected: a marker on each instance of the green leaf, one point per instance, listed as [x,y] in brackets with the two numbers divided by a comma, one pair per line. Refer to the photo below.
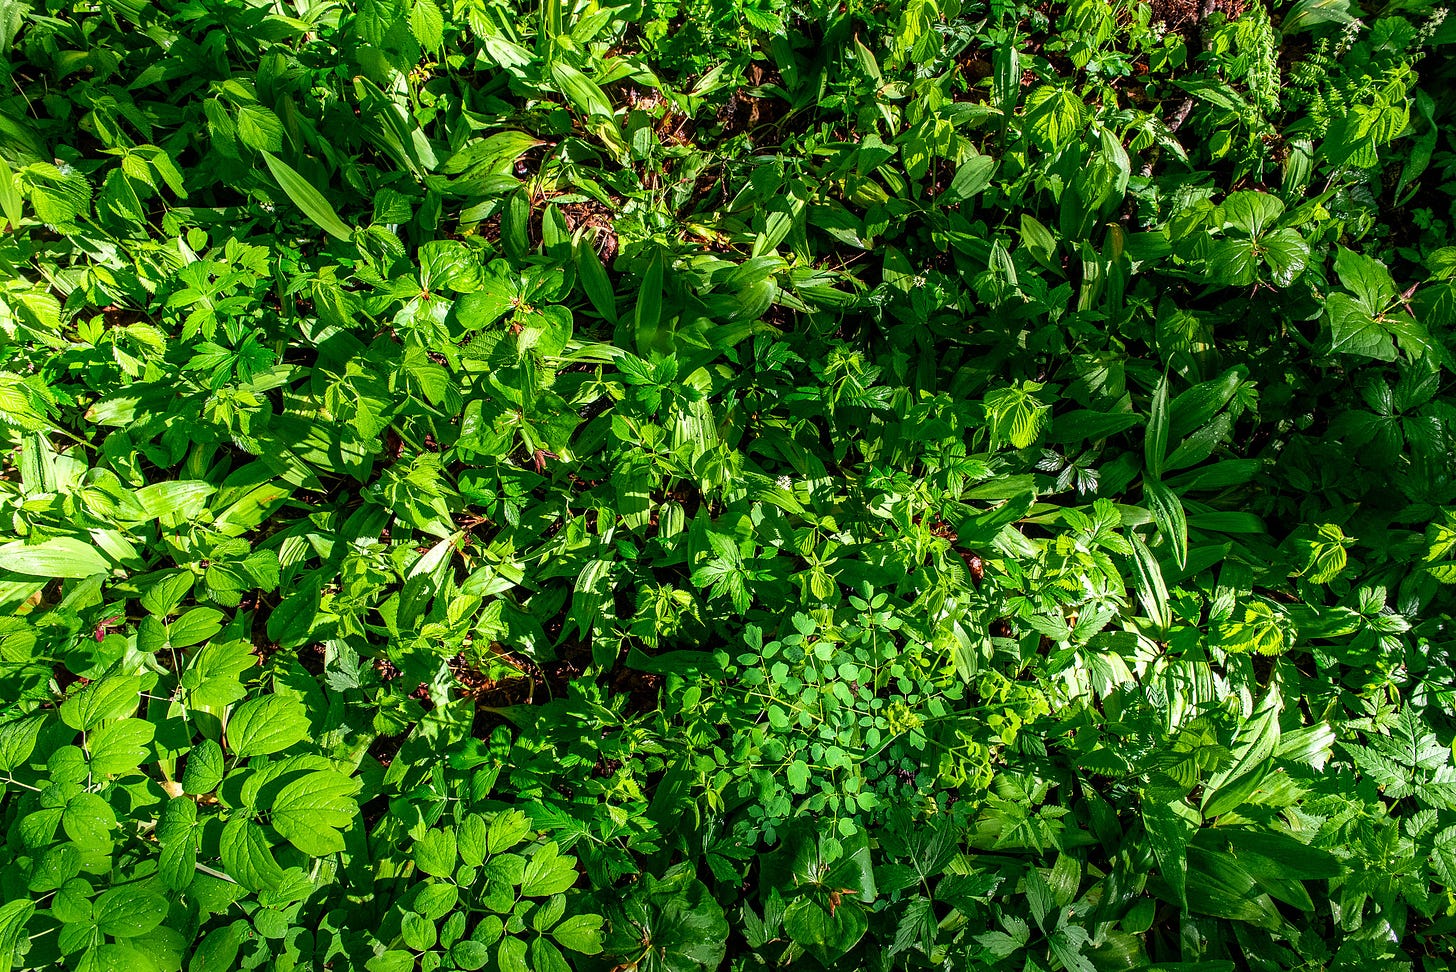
[427,23]
[1167,512]
[1155,443]
[584,94]
[204,768]
[1287,254]
[1354,331]
[580,933]
[260,129]
[266,725]
[434,853]
[1220,887]
[129,911]
[971,179]
[194,627]
[88,820]
[492,155]
[1443,856]
[13,918]
[108,698]
[246,856]
[647,319]
[57,557]
[308,199]
[1152,592]
[119,747]
[1253,745]
[823,932]
[1169,830]
[218,950]
[594,279]
[311,811]
[547,873]
[1054,115]
[17,743]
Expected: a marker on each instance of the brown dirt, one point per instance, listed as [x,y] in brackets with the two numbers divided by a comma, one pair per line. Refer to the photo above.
[594,216]
[1178,14]
[744,112]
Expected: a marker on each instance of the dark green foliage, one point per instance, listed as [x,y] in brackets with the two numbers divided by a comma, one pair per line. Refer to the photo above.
[696,485]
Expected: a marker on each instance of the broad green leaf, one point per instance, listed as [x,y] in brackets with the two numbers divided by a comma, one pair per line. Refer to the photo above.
[119,747]
[129,911]
[312,810]
[13,918]
[584,94]
[266,725]
[547,873]
[580,933]
[194,627]
[434,853]
[108,698]
[88,820]
[17,743]
[246,856]
[204,768]
[56,557]
[971,178]
[490,155]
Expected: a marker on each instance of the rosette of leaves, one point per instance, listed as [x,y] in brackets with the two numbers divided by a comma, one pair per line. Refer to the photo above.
[493,890]
[667,924]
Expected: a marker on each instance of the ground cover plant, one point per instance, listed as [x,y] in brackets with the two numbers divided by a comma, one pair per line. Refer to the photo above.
[683,485]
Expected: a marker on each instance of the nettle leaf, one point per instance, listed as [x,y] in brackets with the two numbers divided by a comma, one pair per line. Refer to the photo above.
[312,810]
[1015,415]
[427,23]
[1054,115]
[266,725]
[1324,554]
[59,195]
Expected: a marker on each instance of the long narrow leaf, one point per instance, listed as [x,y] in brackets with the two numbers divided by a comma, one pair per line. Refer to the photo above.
[307,198]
